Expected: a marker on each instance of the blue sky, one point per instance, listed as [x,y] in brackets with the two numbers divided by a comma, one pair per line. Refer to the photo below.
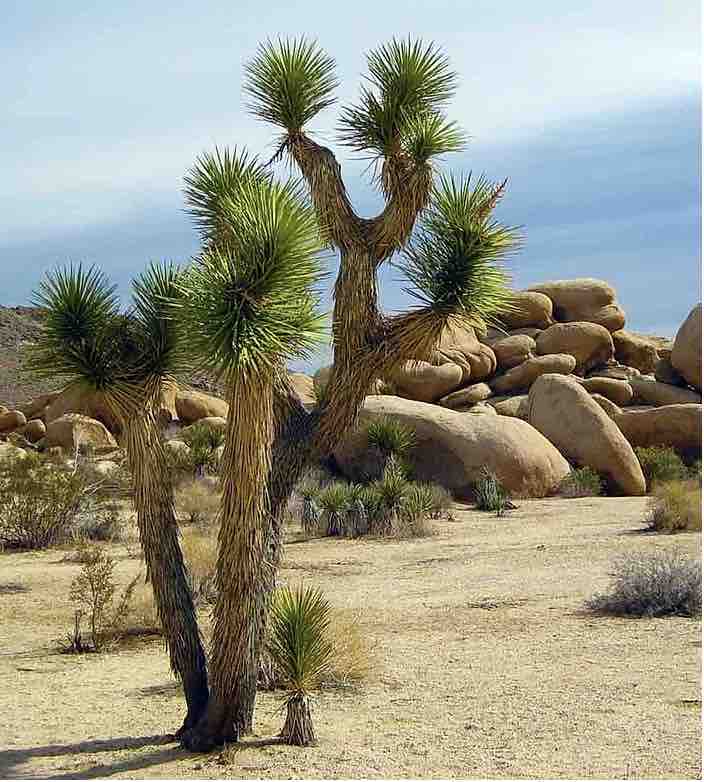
[591,109]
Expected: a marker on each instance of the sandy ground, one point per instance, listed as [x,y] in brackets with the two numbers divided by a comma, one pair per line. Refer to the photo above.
[487,666]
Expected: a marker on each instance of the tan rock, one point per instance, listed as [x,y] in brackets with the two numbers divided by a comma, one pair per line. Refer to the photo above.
[83,401]
[453,448]
[686,355]
[36,408]
[635,351]
[564,412]
[481,407]
[192,405]
[522,376]
[618,391]
[214,422]
[615,371]
[590,344]
[466,397]
[610,316]
[528,331]
[528,308]
[72,431]
[4,409]
[33,430]
[513,406]
[652,392]
[460,345]
[576,300]
[666,373]
[11,421]
[512,351]
[304,387]
[424,382]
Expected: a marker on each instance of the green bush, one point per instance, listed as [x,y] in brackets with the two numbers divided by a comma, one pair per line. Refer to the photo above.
[659,583]
[390,436]
[334,501]
[660,463]
[582,482]
[490,494]
[39,503]
[203,440]
[676,506]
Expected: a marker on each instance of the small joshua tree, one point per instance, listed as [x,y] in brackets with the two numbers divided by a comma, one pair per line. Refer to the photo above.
[301,650]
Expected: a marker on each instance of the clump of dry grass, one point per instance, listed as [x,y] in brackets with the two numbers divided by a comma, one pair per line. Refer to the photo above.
[197,501]
[200,552]
[676,506]
[659,583]
[582,482]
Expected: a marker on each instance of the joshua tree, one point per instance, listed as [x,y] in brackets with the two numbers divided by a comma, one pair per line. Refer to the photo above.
[451,259]
[127,360]
[250,306]
[301,650]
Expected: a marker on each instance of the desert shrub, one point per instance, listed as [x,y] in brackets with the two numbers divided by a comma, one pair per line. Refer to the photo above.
[441,500]
[659,583]
[334,501]
[660,463]
[200,553]
[390,436]
[490,494]
[92,591]
[203,441]
[197,502]
[582,482]
[676,506]
[100,521]
[39,503]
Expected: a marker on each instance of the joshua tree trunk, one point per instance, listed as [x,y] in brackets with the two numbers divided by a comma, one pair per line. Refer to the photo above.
[166,570]
[242,571]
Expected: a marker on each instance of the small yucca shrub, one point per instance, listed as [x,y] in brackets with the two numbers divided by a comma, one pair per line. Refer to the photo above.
[204,441]
[660,463]
[490,494]
[390,436]
[334,503]
[658,583]
[300,648]
[676,506]
[582,482]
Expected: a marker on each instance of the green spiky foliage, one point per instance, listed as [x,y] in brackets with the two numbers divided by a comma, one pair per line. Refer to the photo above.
[454,261]
[390,436]
[124,361]
[300,648]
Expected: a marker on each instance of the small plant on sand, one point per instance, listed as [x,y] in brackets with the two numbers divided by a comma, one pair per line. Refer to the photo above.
[490,494]
[197,502]
[676,506]
[658,583]
[582,482]
[93,589]
[334,503]
[39,503]
[200,553]
[301,650]
[203,440]
[661,463]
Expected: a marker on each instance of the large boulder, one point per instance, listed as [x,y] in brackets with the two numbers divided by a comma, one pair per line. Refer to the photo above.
[78,399]
[522,376]
[459,345]
[564,412]
[583,299]
[618,391]
[467,397]
[454,448]
[666,373]
[36,408]
[512,351]
[33,430]
[652,392]
[679,426]
[513,406]
[192,405]
[616,371]
[590,344]
[635,351]
[686,355]
[425,382]
[74,431]
[528,309]
[11,420]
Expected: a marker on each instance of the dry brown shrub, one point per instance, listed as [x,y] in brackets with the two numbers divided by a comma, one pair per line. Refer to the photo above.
[197,502]
[676,506]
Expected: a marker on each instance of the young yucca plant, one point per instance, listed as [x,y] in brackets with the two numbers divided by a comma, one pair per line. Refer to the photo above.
[391,437]
[491,495]
[300,648]
[334,502]
[203,440]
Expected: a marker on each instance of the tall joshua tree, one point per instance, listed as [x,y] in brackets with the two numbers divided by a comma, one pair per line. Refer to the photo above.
[127,360]
[250,305]
[441,229]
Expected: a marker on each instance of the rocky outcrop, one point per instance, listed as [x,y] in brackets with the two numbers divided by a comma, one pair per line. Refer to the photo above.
[33,430]
[686,355]
[584,299]
[565,413]
[425,382]
[82,401]
[618,391]
[522,376]
[528,309]
[11,420]
[460,346]
[635,351]
[513,406]
[454,448]
[36,408]
[512,351]
[590,344]
[73,431]
[192,406]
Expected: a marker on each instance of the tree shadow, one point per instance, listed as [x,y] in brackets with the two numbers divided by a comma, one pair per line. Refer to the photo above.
[10,759]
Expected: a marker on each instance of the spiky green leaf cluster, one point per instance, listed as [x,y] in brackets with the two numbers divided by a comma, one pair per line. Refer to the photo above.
[86,338]
[390,436]
[299,642]
[289,82]
[402,108]
[249,299]
[454,262]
